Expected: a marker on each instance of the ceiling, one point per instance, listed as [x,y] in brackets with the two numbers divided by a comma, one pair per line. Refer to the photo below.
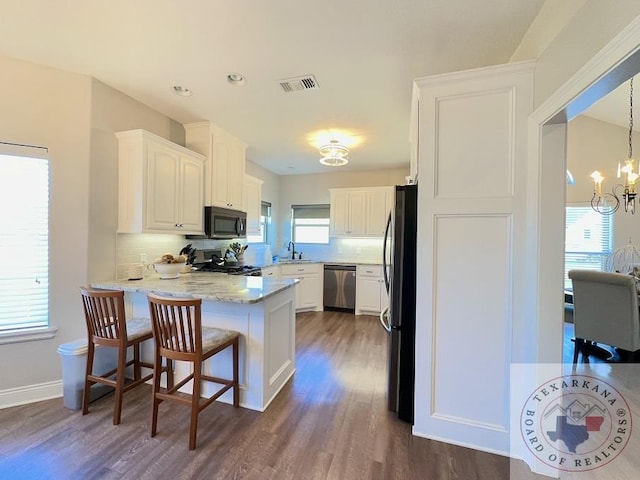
[614,107]
[364,55]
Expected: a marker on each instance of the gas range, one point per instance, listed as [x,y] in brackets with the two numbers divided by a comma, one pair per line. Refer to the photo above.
[229,269]
[212,260]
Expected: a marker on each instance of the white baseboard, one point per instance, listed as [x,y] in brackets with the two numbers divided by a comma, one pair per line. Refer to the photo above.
[30,393]
[472,446]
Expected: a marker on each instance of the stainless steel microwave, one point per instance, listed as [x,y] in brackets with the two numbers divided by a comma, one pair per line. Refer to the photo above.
[223,223]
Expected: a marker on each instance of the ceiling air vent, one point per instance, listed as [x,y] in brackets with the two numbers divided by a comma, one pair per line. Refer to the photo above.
[296,84]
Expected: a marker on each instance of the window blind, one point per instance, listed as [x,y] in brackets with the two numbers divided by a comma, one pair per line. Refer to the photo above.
[588,240]
[310,211]
[24,239]
[310,223]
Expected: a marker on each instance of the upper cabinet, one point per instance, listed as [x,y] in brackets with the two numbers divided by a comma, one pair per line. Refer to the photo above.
[348,210]
[360,212]
[161,185]
[379,205]
[253,203]
[225,163]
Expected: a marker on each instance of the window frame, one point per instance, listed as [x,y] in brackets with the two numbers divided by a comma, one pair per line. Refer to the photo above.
[601,257]
[306,214]
[265,225]
[42,329]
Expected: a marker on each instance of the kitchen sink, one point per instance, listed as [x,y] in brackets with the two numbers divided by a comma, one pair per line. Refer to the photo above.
[303,260]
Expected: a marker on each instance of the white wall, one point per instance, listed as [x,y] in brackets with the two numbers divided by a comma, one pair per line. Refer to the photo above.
[551,19]
[314,189]
[585,35]
[75,117]
[596,145]
[591,28]
[597,39]
[110,253]
[51,108]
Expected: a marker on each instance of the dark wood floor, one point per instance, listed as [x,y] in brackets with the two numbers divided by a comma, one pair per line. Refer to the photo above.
[329,422]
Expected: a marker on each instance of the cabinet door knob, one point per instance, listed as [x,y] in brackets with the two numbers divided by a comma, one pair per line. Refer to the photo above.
[179,225]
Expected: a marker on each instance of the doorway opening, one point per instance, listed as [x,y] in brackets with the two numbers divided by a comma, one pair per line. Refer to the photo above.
[548,162]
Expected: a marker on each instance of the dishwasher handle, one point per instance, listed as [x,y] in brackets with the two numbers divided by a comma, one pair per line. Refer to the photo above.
[349,268]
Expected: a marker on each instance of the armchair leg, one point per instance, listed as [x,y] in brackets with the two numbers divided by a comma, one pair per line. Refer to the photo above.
[577,347]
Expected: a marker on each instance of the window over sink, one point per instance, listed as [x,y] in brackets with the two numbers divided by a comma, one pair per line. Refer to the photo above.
[310,223]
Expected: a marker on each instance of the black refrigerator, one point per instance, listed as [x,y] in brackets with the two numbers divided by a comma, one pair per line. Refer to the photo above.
[399,319]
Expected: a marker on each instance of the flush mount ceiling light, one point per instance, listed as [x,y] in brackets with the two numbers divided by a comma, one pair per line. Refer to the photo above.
[182,91]
[236,79]
[334,154]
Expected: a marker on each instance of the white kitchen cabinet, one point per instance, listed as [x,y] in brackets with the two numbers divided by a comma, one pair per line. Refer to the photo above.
[360,212]
[225,164]
[252,203]
[348,210]
[379,204]
[371,294]
[161,185]
[309,289]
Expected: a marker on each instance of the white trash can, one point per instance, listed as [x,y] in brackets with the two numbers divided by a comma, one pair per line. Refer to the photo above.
[74,365]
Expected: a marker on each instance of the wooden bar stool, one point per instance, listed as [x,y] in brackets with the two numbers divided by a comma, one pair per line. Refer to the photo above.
[179,335]
[107,326]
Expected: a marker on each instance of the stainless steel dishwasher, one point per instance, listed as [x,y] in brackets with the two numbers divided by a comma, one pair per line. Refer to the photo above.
[340,287]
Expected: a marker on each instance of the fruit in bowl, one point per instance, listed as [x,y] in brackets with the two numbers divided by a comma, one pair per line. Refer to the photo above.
[168,258]
[169,266]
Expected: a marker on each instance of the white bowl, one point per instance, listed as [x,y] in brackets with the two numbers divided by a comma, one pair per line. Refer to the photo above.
[168,270]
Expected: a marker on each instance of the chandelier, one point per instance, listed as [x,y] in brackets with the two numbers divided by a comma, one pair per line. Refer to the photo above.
[334,154]
[609,203]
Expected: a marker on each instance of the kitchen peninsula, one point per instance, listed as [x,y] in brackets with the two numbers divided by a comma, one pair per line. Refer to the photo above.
[262,310]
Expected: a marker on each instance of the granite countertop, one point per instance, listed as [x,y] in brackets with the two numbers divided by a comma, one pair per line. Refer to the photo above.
[218,287]
[289,261]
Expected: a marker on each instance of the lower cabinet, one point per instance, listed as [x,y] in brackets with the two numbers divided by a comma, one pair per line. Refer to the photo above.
[371,294]
[272,271]
[309,289]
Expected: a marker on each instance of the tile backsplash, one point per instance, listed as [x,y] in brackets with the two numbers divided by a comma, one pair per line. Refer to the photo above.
[340,250]
[132,247]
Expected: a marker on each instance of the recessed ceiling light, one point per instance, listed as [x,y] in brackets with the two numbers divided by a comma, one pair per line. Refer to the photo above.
[182,91]
[236,79]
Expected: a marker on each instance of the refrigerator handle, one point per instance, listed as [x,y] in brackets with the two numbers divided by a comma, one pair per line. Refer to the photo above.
[387,230]
[384,317]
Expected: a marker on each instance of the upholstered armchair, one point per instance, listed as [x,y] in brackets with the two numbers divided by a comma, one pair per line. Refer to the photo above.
[605,311]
